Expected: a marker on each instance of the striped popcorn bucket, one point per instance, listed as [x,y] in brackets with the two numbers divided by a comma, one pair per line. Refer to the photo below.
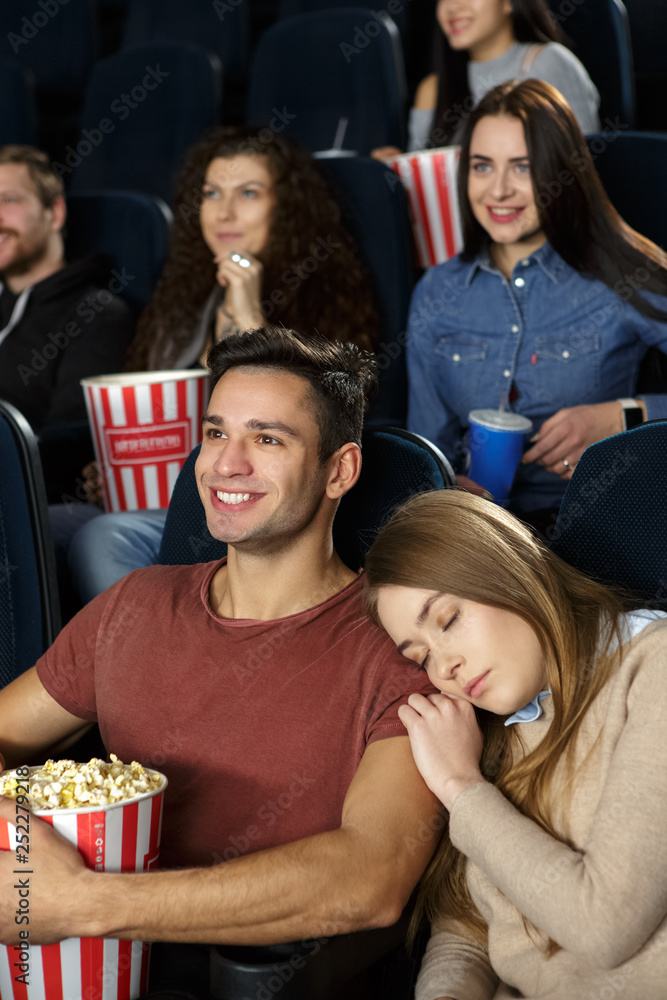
[123,837]
[429,177]
[145,424]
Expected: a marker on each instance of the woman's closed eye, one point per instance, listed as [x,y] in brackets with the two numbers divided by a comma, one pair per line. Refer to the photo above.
[424,663]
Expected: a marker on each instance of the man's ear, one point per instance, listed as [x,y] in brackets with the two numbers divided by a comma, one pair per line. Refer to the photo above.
[59,214]
[344,466]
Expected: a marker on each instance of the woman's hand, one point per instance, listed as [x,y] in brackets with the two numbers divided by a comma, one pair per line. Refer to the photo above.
[446,743]
[243,284]
[563,438]
[383,153]
[92,484]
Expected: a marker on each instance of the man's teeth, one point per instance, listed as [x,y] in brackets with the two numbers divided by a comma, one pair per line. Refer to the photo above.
[232,497]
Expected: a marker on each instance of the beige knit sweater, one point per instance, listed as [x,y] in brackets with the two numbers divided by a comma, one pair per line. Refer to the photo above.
[601,892]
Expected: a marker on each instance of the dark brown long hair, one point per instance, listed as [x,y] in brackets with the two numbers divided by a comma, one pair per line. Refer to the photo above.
[334,298]
[579,221]
[531,22]
[451,542]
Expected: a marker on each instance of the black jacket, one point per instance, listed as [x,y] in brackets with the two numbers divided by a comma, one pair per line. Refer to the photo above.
[72,327]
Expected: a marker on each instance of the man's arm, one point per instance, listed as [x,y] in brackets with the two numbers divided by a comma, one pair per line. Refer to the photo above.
[355,877]
[31,720]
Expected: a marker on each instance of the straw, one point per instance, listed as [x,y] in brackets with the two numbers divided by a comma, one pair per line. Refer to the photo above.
[340,133]
[502,405]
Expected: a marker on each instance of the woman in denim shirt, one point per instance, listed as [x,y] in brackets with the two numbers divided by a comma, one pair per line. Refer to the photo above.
[550,307]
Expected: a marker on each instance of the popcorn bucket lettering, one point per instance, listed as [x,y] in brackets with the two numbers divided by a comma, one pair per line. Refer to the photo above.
[122,837]
[144,424]
[429,177]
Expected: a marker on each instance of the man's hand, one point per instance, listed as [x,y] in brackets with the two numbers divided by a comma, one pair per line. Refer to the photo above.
[53,876]
[92,484]
[563,438]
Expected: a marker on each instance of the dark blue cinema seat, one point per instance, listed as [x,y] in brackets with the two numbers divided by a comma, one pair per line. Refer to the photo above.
[29,608]
[642,156]
[375,211]
[312,71]
[130,229]
[217,26]
[144,107]
[599,34]
[612,523]
[397,9]
[56,41]
[396,465]
[18,115]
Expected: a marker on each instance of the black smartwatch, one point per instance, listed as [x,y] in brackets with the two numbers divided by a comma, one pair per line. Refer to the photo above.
[633,415]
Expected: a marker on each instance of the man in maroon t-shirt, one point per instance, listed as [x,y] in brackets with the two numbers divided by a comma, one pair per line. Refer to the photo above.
[280,448]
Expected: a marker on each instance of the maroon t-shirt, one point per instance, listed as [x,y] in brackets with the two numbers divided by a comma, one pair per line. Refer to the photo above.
[258,725]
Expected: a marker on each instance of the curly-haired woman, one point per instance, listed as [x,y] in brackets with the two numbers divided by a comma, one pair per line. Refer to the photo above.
[257,236]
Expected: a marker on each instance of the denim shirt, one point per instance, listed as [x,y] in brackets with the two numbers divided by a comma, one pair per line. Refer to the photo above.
[560,338]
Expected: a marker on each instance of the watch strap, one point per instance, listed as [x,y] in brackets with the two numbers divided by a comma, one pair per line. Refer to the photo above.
[633,415]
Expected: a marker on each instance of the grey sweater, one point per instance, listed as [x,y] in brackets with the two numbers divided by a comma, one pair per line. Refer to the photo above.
[601,891]
[554,64]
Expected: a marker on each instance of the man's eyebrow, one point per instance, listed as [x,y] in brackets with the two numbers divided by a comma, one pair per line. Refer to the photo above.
[254,425]
[272,425]
[421,618]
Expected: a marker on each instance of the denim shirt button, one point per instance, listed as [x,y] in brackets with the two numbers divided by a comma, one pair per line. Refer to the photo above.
[525,262]
[456,357]
[566,354]
[507,373]
[519,282]
[515,328]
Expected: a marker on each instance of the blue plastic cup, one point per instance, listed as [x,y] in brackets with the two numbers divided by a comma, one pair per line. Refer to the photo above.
[496,445]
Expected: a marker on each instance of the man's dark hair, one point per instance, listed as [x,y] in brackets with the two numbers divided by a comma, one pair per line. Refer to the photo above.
[340,376]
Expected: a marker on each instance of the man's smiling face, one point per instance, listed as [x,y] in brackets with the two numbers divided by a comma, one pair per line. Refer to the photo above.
[25,224]
[258,472]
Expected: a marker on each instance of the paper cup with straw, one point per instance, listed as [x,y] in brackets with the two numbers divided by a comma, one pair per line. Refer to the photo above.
[429,177]
[144,424]
[121,837]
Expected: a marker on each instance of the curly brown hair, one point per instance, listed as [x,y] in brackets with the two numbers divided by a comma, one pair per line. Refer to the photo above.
[334,298]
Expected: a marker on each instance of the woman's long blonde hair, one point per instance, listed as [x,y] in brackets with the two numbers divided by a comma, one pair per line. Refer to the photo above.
[452,542]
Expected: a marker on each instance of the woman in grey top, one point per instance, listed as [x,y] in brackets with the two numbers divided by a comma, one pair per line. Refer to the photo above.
[484,43]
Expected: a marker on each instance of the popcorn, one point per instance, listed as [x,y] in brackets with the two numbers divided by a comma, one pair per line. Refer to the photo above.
[65,784]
